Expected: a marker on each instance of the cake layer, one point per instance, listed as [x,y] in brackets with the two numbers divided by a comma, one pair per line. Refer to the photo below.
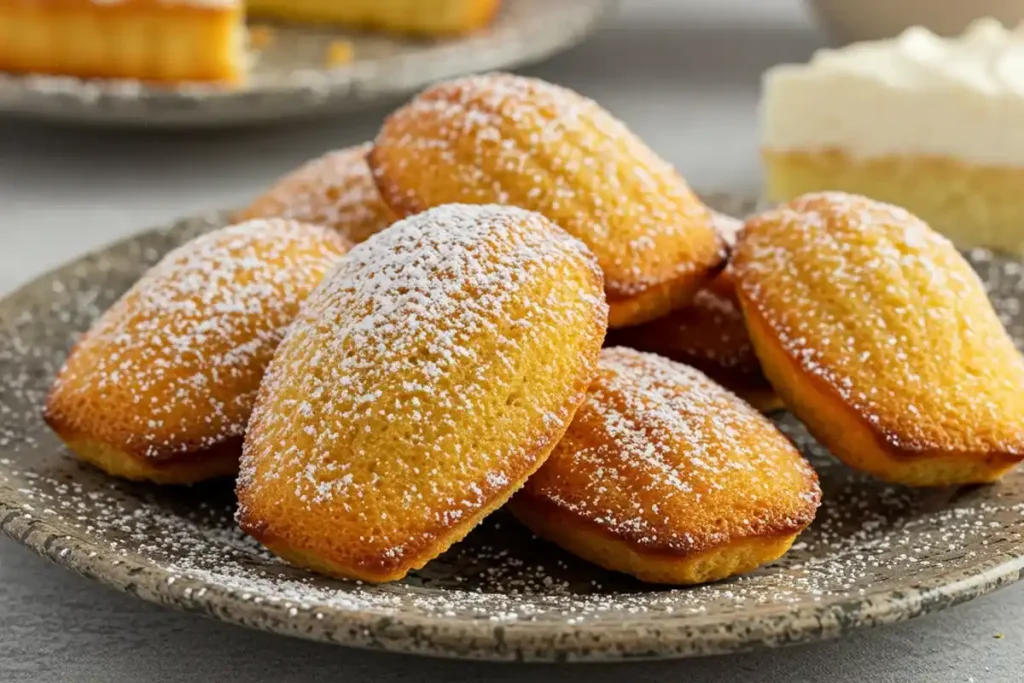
[152,40]
[427,17]
[917,94]
[191,40]
[974,205]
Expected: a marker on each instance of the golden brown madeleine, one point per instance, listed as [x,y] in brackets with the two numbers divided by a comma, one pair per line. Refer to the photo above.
[667,476]
[162,385]
[430,374]
[880,337]
[709,334]
[520,141]
[336,190]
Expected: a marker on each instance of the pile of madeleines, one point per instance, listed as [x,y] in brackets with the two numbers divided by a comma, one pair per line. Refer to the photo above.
[399,338]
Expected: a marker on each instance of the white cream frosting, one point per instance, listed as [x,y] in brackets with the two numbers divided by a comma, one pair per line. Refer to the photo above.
[961,97]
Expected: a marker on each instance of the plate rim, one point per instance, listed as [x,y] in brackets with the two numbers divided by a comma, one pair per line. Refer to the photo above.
[474,638]
[306,92]
[512,641]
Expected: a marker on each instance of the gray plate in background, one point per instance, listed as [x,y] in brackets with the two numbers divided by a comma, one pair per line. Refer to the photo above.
[290,78]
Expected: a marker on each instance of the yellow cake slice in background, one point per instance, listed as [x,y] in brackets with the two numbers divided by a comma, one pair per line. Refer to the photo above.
[174,41]
[420,17]
[928,123]
[151,40]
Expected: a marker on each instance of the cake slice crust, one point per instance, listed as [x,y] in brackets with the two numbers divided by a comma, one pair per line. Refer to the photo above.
[147,40]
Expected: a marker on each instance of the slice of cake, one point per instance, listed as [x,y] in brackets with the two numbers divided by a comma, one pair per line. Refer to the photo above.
[415,17]
[175,41]
[933,124]
[151,40]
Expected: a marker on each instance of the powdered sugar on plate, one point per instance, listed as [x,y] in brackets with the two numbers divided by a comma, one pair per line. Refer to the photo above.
[875,553]
[173,366]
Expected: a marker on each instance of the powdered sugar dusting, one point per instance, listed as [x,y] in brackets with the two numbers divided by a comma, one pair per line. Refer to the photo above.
[709,334]
[464,318]
[874,552]
[727,227]
[869,299]
[336,190]
[868,539]
[183,351]
[662,456]
[522,141]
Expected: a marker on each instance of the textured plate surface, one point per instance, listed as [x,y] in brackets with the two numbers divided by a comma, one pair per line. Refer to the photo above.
[876,553]
[290,77]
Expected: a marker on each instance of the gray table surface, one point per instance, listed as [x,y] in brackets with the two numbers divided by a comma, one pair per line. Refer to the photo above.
[684,75]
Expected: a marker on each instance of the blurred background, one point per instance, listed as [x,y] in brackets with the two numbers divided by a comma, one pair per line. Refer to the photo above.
[683,74]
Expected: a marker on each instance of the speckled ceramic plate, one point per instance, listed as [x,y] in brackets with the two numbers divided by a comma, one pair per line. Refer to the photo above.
[290,77]
[876,553]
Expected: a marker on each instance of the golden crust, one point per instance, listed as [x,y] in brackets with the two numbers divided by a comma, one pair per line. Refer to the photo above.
[879,336]
[667,476]
[336,190]
[584,538]
[192,40]
[844,432]
[135,39]
[218,461]
[709,334]
[162,385]
[520,141]
[415,17]
[425,380]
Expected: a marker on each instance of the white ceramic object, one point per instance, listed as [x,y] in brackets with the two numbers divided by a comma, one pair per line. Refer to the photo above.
[917,94]
[292,80]
[853,20]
